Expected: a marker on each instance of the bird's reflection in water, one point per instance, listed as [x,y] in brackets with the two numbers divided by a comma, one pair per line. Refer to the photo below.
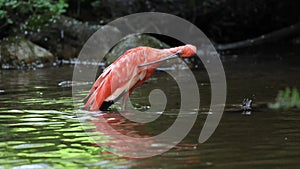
[125,137]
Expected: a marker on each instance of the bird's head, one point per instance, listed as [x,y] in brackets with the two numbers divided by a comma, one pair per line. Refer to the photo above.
[188,51]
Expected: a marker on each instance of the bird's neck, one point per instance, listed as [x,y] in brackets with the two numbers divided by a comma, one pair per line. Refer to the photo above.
[174,50]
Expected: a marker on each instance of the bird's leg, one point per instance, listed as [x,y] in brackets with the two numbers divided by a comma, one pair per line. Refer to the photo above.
[125,97]
[161,60]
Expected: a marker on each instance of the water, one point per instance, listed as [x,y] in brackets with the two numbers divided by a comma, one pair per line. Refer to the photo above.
[39,127]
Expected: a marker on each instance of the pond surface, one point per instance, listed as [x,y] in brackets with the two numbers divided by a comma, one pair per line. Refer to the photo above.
[39,127]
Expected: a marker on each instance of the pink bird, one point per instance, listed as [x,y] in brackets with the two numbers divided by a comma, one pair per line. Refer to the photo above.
[128,72]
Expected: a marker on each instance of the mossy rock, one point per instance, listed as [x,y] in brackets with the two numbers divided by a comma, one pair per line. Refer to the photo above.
[21,52]
[133,41]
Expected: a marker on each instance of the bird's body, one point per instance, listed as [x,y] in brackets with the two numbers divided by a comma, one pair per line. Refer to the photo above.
[128,72]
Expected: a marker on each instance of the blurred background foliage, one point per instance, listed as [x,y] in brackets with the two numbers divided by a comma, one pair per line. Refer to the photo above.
[222,20]
[28,14]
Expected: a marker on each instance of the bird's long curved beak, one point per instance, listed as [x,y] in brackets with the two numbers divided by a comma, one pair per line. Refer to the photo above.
[161,60]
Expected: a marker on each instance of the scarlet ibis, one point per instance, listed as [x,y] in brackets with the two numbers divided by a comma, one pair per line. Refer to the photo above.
[129,71]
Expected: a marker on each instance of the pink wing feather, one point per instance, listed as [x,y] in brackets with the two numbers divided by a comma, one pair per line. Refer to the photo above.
[115,76]
[124,75]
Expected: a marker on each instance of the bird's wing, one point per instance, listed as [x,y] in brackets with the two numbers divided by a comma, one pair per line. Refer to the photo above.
[101,78]
[92,101]
[116,79]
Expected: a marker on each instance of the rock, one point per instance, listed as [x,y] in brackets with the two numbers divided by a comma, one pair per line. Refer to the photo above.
[64,37]
[21,52]
[133,41]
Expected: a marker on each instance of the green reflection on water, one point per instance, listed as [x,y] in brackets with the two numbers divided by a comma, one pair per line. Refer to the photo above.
[50,138]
